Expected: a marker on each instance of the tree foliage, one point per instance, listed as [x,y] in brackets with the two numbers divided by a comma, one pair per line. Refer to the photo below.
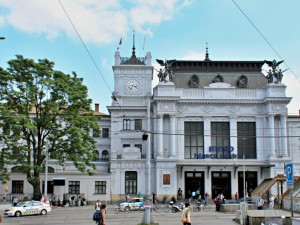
[43,108]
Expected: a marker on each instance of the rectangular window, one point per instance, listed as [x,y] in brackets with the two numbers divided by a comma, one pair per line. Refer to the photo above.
[138,124]
[131,182]
[166,179]
[74,187]
[139,146]
[105,132]
[17,186]
[96,133]
[126,145]
[220,139]
[193,140]
[246,132]
[126,124]
[100,187]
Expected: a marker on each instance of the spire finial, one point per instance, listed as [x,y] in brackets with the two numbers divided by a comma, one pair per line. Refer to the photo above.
[206,54]
[133,48]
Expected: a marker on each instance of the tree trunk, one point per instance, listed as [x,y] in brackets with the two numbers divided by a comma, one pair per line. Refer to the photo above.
[37,190]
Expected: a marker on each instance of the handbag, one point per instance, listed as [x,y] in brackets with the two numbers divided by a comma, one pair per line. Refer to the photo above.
[184,219]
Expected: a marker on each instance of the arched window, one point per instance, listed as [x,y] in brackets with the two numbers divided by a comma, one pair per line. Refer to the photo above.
[16,169]
[105,155]
[96,158]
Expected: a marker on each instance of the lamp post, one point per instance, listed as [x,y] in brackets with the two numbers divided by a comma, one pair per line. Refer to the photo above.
[46,172]
[147,218]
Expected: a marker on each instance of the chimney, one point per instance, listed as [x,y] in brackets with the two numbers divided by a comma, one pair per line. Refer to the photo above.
[96,107]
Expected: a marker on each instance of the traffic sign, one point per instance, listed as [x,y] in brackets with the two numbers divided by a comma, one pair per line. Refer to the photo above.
[289,174]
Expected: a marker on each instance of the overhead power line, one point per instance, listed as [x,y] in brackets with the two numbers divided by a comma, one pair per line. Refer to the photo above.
[261,34]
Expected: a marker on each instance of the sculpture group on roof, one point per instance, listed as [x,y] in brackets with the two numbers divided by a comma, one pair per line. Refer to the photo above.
[275,75]
[166,74]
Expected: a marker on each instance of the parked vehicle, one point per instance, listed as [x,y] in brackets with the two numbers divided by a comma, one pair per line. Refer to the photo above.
[133,204]
[28,208]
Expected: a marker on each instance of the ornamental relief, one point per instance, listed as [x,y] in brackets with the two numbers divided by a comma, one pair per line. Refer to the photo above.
[234,109]
[167,107]
[277,108]
[207,110]
[259,109]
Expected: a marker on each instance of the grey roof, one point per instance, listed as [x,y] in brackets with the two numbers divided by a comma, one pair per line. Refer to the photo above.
[230,71]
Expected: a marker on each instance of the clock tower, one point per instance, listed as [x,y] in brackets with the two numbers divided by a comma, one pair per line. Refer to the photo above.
[130,118]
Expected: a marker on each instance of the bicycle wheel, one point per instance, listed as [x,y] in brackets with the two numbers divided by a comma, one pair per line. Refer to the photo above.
[205,208]
[117,210]
[174,210]
[126,209]
[166,209]
[158,209]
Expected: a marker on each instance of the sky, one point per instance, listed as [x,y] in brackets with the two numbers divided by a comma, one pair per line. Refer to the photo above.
[169,29]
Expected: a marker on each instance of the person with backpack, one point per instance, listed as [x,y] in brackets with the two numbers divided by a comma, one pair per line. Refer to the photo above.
[99,216]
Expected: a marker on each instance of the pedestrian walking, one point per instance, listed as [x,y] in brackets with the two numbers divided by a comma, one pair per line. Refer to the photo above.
[186,215]
[98,205]
[259,203]
[271,202]
[236,196]
[179,194]
[206,197]
[15,201]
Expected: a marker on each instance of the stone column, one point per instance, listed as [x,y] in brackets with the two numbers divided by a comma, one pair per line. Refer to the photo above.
[271,135]
[160,135]
[207,134]
[172,135]
[233,135]
[283,136]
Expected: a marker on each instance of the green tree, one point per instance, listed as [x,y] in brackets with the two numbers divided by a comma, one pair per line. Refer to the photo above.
[43,108]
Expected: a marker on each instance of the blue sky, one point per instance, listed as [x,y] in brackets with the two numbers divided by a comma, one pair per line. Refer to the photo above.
[174,29]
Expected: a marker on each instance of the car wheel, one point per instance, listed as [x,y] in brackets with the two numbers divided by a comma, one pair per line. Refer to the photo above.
[18,214]
[43,212]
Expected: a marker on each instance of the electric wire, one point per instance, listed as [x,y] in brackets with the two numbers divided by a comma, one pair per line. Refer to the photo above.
[266,40]
[90,55]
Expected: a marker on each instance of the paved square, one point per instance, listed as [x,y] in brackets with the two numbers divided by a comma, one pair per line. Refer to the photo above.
[83,215]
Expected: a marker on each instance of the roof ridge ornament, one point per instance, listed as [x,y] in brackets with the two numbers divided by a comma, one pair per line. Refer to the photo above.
[206,54]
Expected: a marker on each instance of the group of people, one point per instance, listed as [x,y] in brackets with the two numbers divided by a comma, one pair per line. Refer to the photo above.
[260,202]
[219,200]
[99,208]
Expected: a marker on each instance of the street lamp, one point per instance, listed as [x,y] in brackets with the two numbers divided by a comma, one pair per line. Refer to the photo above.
[46,172]
[147,218]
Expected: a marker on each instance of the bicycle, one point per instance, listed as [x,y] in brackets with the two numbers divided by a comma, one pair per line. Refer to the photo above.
[123,210]
[156,208]
[198,207]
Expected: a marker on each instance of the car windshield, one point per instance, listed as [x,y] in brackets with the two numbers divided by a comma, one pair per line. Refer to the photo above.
[20,205]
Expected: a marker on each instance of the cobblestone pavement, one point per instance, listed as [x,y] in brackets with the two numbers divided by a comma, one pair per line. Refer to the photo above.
[83,215]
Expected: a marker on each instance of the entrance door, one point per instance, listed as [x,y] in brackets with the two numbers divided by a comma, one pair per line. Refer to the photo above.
[221,184]
[194,181]
[251,183]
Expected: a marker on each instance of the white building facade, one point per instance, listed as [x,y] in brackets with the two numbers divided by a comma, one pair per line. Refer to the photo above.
[206,122]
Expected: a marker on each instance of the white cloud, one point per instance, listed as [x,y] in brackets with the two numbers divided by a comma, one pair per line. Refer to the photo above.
[97,21]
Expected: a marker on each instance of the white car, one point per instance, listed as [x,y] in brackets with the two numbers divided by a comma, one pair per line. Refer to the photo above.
[28,208]
[133,204]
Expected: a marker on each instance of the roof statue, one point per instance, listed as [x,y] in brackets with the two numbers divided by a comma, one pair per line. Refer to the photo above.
[275,75]
[166,74]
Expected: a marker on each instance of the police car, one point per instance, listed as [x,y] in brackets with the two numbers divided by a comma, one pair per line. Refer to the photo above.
[133,204]
[28,208]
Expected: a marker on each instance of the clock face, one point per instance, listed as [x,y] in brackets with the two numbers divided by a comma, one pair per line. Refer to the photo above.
[132,86]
